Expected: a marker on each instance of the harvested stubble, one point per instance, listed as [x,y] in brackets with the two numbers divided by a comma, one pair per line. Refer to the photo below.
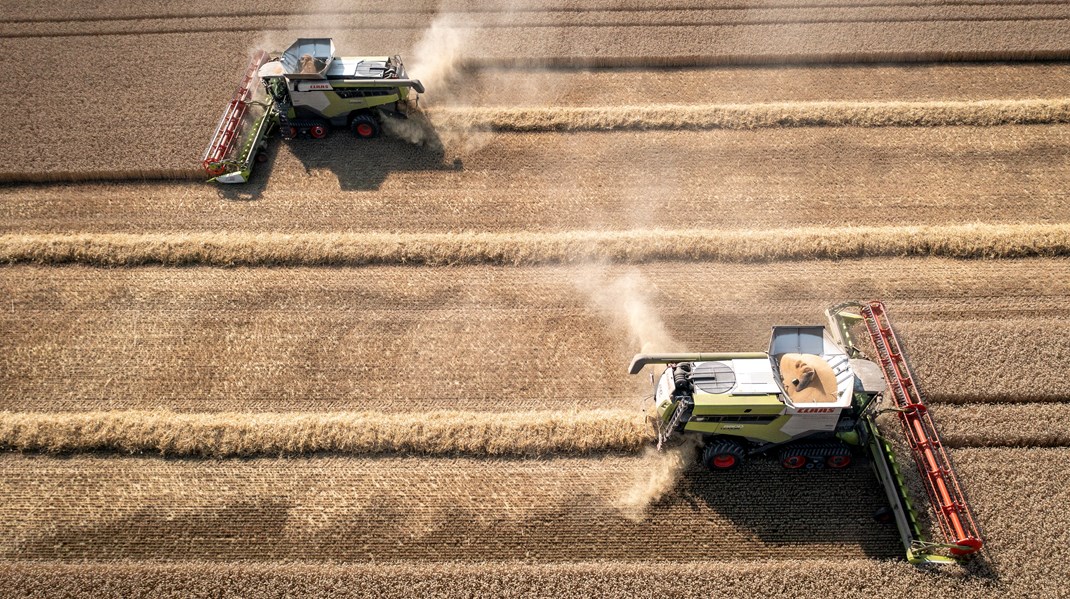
[230,434]
[489,338]
[1015,493]
[985,113]
[420,509]
[716,179]
[523,248]
[233,434]
[545,17]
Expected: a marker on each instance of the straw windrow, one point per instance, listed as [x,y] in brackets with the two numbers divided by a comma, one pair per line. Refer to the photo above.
[631,247]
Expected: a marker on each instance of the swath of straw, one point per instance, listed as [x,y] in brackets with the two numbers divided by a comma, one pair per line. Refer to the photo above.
[248,434]
[534,433]
[981,113]
[635,246]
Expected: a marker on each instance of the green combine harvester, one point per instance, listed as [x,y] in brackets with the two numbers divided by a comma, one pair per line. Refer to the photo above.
[812,401]
[304,92]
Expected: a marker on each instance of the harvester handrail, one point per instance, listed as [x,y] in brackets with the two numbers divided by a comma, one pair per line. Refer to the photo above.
[941,483]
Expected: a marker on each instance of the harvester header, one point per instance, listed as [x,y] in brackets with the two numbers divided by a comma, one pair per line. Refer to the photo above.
[812,401]
[304,92]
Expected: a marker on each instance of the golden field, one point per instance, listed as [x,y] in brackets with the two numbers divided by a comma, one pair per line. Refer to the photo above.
[398,369]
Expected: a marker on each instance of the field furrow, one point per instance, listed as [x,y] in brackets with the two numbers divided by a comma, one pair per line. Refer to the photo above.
[492,338]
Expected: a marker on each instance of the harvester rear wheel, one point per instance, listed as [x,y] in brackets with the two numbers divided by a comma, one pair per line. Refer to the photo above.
[365,126]
[722,455]
[838,461]
[793,462]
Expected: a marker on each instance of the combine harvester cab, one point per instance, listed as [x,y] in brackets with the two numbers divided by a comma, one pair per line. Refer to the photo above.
[304,92]
[812,401]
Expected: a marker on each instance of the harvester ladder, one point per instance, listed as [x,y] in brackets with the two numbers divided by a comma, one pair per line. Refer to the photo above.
[941,483]
[227,130]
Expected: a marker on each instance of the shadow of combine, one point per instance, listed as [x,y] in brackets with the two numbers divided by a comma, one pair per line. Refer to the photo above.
[805,514]
[358,164]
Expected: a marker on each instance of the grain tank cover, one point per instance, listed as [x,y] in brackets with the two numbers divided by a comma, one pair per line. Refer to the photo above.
[308,58]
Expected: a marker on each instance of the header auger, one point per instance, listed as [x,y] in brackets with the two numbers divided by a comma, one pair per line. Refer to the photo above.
[304,92]
[812,401]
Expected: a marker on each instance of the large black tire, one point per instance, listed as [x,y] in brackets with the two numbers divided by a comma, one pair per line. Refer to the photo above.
[365,126]
[723,454]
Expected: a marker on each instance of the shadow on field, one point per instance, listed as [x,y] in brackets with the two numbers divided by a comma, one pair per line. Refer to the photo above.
[805,512]
[160,532]
[359,164]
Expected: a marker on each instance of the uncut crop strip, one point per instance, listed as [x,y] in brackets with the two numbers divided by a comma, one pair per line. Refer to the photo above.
[756,116]
[440,433]
[521,248]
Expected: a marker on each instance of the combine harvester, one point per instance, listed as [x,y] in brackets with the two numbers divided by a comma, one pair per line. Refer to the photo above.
[812,402]
[303,93]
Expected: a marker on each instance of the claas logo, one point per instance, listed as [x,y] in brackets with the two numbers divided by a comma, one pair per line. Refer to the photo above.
[816,410]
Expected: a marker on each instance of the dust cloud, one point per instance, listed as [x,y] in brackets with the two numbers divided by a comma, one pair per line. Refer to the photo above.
[627,300]
[659,473]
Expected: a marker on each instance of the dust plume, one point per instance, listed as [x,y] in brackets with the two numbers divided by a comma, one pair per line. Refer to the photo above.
[436,59]
[659,474]
[627,300]
[416,129]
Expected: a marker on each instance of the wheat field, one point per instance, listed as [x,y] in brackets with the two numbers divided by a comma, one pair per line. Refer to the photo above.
[397,368]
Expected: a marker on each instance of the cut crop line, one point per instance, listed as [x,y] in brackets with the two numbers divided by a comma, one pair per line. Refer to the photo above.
[629,247]
[434,433]
[757,116]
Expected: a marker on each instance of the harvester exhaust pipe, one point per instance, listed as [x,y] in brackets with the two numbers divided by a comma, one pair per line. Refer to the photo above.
[642,360]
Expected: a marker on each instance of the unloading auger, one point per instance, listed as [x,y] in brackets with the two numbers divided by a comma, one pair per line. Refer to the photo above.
[304,92]
[812,401]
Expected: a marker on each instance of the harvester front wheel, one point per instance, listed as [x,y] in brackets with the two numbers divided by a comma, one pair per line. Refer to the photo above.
[317,131]
[365,126]
[722,455]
